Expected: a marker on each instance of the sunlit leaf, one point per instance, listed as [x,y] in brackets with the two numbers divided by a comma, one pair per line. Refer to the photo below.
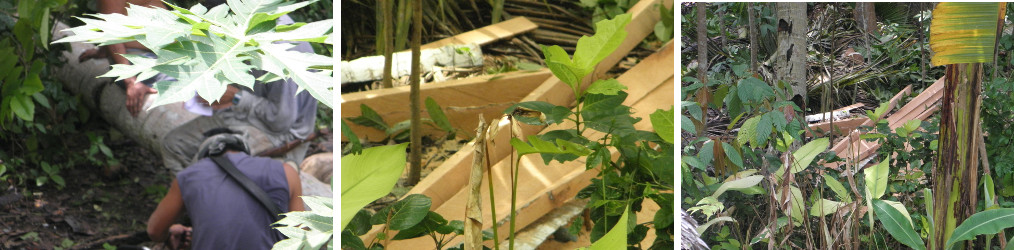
[964,32]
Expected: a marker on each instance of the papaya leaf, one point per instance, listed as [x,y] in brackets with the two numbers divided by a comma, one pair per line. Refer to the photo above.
[895,224]
[368,176]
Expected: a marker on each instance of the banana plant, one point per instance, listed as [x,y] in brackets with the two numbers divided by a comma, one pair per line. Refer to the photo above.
[962,37]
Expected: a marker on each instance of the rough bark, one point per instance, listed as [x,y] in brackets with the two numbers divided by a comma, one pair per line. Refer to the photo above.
[388,40]
[790,57]
[753,37]
[866,16]
[415,154]
[703,94]
[956,172]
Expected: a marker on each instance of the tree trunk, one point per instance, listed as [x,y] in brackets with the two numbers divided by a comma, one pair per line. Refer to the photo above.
[956,172]
[753,37]
[790,57]
[703,94]
[866,15]
[388,43]
[107,101]
[415,154]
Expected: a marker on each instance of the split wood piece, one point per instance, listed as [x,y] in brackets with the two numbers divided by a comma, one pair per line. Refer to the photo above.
[371,68]
[543,187]
[107,100]
[835,115]
[854,134]
[461,99]
[446,181]
[853,148]
[488,34]
[473,214]
[851,124]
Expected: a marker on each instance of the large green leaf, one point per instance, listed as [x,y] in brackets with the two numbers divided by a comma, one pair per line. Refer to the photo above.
[616,238]
[895,224]
[985,222]
[208,49]
[838,189]
[368,176]
[606,87]
[825,207]
[805,155]
[405,213]
[663,121]
[609,34]
[964,32]
[437,115]
[741,183]
[538,145]
[876,179]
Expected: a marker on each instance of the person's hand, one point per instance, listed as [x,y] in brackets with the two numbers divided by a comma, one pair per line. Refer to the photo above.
[179,237]
[136,94]
[100,52]
[224,102]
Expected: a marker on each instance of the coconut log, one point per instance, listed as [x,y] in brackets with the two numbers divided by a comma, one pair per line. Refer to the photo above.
[108,101]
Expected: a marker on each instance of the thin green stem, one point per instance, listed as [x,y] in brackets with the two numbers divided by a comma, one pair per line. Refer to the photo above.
[514,191]
[492,203]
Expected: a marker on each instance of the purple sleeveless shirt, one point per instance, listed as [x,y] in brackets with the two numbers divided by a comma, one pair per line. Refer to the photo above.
[224,215]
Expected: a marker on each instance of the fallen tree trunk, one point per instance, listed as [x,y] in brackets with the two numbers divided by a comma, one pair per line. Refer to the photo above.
[108,101]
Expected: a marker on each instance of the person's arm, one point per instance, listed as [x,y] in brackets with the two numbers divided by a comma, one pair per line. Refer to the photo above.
[295,188]
[167,212]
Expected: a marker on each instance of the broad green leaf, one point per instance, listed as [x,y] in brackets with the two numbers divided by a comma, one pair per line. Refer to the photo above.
[901,209]
[356,146]
[706,225]
[437,115]
[23,107]
[616,238]
[553,114]
[369,118]
[985,222]
[609,34]
[741,183]
[752,90]
[662,121]
[558,62]
[909,126]
[964,32]
[748,132]
[732,154]
[1010,244]
[686,125]
[989,192]
[805,154]
[606,87]
[876,179]
[896,225]
[825,207]
[764,129]
[795,202]
[405,213]
[538,145]
[368,176]
[838,189]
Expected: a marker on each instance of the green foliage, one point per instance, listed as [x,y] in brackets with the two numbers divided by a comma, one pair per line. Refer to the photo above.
[608,9]
[208,49]
[665,28]
[400,131]
[590,51]
[985,222]
[355,147]
[616,238]
[897,225]
[308,229]
[997,117]
[369,176]
[662,121]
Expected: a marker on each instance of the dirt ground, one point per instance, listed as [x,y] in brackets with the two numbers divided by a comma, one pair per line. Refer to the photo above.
[98,206]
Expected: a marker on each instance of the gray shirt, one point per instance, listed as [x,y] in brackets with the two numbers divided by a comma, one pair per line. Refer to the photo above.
[224,215]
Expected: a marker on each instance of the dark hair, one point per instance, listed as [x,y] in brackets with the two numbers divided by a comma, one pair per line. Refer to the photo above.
[230,143]
[213,3]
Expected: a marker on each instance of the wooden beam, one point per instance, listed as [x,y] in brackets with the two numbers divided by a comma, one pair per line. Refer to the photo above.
[463,100]
[922,106]
[485,35]
[840,127]
[653,76]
